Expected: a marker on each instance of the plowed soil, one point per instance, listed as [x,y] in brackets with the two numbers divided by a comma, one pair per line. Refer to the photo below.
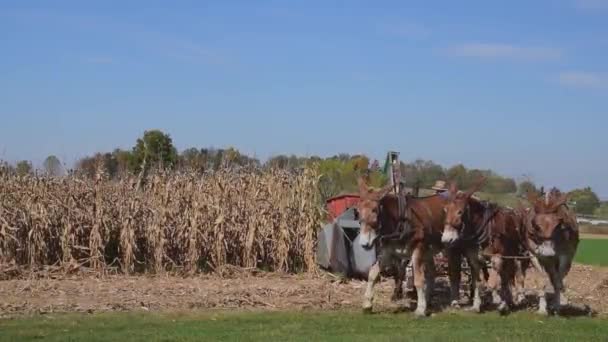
[243,290]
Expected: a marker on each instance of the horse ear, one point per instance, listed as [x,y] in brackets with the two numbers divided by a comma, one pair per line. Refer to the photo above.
[563,199]
[377,195]
[453,189]
[478,185]
[363,189]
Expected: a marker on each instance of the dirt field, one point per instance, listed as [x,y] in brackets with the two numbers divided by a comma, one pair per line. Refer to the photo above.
[241,290]
[594,236]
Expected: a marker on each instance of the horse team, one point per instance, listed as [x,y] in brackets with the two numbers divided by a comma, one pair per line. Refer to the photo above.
[499,244]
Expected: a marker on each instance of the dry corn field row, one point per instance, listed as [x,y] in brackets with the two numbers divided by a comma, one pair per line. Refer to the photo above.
[175,222]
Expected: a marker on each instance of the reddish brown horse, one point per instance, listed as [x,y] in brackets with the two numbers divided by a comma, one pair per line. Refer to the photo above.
[552,235]
[423,222]
[485,231]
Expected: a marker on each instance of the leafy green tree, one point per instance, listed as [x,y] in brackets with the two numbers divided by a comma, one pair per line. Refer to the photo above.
[458,174]
[114,164]
[499,185]
[602,210]
[217,158]
[123,160]
[193,159]
[6,168]
[586,201]
[360,162]
[23,168]
[278,162]
[52,166]
[154,149]
[473,177]
[525,187]
[422,173]
[87,166]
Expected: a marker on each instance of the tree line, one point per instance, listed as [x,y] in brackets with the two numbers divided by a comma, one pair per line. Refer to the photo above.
[155,150]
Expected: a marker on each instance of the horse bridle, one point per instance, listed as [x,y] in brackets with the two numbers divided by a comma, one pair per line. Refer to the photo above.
[480,235]
[532,230]
[403,230]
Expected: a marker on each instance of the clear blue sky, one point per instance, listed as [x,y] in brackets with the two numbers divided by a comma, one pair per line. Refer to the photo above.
[517,86]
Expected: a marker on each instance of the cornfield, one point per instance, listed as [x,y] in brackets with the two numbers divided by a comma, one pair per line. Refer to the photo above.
[186,222]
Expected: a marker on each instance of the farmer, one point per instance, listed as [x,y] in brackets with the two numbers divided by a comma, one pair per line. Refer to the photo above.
[440,188]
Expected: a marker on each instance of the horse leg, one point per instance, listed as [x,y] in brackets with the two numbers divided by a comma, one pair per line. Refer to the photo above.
[429,275]
[565,262]
[372,278]
[419,280]
[508,277]
[497,281]
[475,265]
[454,271]
[520,276]
[558,286]
[542,293]
[399,278]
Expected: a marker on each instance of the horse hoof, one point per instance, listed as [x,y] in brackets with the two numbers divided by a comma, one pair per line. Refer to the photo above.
[420,313]
[367,309]
[542,312]
[455,304]
[475,309]
[503,309]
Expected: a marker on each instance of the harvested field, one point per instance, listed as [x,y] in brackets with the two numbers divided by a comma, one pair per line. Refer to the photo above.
[242,290]
[594,236]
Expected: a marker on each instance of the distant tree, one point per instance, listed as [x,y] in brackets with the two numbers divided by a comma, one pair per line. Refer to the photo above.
[123,160]
[422,172]
[233,157]
[602,210]
[293,162]
[154,149]
[23,168]
[525,187]
[586,200]
[6,168]
[86,166]
[52,166]
[474,175]
[360,162]
[343,157]
[458,174]
[193,159]
[499,185]
[110,164]
[217,157]
[278,162]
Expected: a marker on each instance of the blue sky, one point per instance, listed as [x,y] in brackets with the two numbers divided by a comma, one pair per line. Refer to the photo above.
[517,86]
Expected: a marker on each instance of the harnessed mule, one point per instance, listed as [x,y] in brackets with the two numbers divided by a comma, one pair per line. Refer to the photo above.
[386,235]
[552,236]
[486,232]
[403,229]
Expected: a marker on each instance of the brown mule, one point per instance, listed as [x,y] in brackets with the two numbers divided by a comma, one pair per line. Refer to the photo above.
[423,218]
[552,235]
[486,231]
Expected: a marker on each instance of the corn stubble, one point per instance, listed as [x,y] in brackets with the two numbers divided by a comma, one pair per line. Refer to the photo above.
[173,222]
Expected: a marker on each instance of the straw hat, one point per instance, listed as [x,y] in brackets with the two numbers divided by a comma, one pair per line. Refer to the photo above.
[439,186]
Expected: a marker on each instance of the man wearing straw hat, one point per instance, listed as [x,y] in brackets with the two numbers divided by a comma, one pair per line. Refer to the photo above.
[440,188]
